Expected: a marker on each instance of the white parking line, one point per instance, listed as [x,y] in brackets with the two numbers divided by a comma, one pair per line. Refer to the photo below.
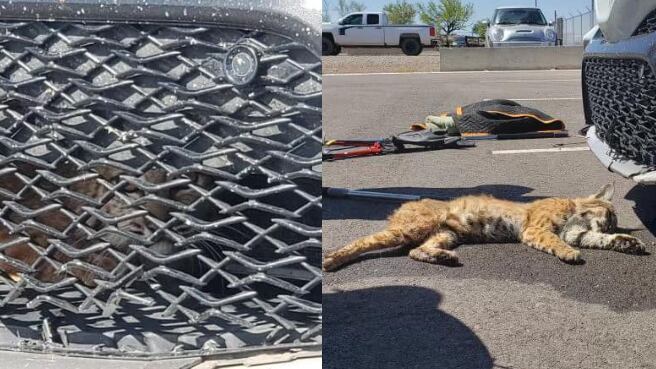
[528,80]
[451,72]
[555,149]
[543,98]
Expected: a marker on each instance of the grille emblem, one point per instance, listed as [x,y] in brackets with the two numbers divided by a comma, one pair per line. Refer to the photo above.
[241,64]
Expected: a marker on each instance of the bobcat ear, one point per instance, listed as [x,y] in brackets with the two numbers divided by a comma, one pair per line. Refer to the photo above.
[606,192]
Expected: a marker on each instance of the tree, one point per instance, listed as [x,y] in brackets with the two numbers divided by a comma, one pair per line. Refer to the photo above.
[448,15]
[400,12]
[357,7]
[344,7]
[480,28]
[325,17]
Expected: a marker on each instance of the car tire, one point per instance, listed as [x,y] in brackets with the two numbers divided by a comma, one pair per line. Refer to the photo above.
[327,46]
[337,50]
[411,46]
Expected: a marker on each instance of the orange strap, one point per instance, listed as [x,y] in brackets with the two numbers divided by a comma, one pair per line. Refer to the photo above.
[523,116]
[482,134]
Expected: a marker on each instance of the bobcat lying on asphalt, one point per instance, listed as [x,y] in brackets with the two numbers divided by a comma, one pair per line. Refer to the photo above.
[433,228]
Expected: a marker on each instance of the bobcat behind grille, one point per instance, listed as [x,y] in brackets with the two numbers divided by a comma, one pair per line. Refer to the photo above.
[143,191]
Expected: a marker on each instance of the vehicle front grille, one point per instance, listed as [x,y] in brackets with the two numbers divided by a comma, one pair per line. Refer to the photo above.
[620,101]
[149,206]
[522,38]
[648,25]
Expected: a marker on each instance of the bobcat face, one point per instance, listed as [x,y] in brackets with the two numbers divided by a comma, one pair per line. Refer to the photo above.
[597,211]
[600,218]
[115,206]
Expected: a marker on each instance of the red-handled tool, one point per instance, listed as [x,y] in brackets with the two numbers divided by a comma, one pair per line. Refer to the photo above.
[344,149]
[421,140]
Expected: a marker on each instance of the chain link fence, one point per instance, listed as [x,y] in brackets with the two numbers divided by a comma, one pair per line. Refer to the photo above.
[571,30]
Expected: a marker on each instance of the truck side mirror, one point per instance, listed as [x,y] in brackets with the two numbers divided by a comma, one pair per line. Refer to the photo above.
[551,24]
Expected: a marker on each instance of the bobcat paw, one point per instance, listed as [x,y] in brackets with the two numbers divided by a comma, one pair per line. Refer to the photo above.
[444,257]
[569,255]
[330,263]
[628,244]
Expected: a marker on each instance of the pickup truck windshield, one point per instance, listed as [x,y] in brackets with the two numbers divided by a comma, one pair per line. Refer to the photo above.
[520,16]
[352,19]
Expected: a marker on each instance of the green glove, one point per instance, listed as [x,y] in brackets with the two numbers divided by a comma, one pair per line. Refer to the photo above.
[441,124]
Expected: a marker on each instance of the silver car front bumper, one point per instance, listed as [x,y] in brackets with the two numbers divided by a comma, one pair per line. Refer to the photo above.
[623,167]
[520,43]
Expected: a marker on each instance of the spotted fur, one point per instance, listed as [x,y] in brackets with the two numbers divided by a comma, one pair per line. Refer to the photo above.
[38,244]
[434,228]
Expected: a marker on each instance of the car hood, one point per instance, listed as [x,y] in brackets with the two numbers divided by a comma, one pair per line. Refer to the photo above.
[617,18]
[329,27]
[523,31]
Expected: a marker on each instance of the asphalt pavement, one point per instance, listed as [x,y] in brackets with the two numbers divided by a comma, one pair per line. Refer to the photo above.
[507,306]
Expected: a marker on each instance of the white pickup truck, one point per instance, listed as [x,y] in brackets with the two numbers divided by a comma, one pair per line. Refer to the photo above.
[372,29]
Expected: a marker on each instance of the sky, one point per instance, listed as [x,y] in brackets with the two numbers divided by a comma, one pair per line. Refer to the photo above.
[484,8]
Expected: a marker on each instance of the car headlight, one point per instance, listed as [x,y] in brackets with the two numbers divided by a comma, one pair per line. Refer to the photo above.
[496,34]
[592,34]
[550,34]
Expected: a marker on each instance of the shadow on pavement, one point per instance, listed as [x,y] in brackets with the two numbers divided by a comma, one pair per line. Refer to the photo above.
[644,198]
[339,208]
[396,327]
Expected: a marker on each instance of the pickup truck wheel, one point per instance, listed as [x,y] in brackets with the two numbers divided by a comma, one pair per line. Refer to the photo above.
[337,50]
[327,46]
[411,46]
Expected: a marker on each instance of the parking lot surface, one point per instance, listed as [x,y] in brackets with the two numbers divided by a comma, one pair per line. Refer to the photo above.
[380,60]
[507,306]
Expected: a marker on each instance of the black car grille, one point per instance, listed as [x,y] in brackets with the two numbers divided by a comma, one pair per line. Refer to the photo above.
[648,25]
[148,205]
[519,37]
[621,102]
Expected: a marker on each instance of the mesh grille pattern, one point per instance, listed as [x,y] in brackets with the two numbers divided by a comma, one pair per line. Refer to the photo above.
[620,102]
[139,185]
[648,25]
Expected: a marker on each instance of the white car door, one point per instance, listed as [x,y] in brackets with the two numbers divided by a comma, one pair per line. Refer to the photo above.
[361,29]
[347,27]
[372,32]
